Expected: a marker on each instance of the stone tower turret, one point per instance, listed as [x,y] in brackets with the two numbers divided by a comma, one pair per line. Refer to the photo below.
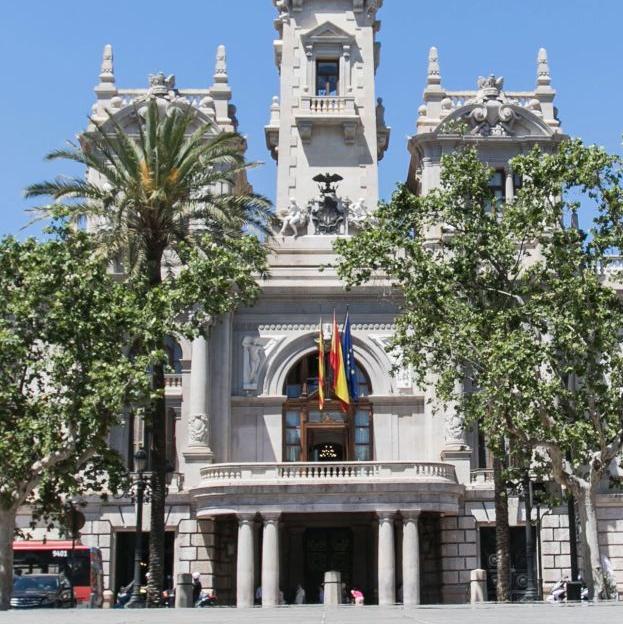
[327,130]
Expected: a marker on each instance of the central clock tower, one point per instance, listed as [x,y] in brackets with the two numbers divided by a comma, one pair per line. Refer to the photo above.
[327,129]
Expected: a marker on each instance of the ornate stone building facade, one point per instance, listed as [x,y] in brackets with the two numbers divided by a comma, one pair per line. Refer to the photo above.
[269,490]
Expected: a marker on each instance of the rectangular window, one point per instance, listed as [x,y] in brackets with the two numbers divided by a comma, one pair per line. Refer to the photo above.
[327,77]
[497,184]
[292,425]
[363,436]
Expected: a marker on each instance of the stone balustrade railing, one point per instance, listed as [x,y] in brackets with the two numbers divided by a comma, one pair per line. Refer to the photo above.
[328,105]
[481,476]
[173,380]
[315,472]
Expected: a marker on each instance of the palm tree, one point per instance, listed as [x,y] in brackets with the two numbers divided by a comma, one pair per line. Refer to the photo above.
[148,195]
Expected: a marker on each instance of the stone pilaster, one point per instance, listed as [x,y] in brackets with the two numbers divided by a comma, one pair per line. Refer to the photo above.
[198,447]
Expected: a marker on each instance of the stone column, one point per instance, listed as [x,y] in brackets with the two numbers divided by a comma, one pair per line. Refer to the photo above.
[509,190]
[199,419]
[386,559]
[410,558]
[270,560]
[245,591]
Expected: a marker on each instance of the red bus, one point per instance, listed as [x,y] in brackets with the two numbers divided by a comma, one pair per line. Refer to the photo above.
[82,565]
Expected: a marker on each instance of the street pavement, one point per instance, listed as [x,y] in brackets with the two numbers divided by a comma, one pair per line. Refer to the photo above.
[606,613]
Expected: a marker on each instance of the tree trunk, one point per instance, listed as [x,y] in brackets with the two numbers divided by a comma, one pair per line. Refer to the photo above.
[158,465]
[502,533]
[593,573]
[7,532]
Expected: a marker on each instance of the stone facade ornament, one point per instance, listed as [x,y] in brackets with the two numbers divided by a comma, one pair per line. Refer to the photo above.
[294,220]
[455,428]
[161,85]
[282,7]
[256,350]
[199,430]
[220,68]
[403,374]
[434,73]
[327,211]
[543,76]
[494,115]
[107,73]
[357,213]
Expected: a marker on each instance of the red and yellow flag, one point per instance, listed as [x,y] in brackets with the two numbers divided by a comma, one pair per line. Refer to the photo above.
[321,375]
[336,361]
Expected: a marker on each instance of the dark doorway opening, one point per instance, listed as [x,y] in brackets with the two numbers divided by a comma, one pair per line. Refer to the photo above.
[124,558]
[326,549]
[519,569]
[430,559]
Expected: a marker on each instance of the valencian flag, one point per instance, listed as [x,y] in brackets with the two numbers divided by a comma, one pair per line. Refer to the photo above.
[336,361]
[321,367]
[349,360]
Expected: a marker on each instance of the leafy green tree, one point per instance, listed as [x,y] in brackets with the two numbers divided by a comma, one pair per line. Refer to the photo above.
[170,206]
[514,301]
[65,377]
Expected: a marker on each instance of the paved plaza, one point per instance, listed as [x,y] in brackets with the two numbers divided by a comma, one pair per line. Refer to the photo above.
[485,614]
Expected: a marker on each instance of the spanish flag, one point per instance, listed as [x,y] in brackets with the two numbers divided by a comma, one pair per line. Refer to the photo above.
[321,367]
[336,361]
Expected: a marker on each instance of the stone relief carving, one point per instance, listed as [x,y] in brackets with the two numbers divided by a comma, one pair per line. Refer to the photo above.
[455,427]
[282,8]
[357,213]
[494,115]
[199,430]
[159,84]
[327,211]
[256,350]
[294,220]
[403,375]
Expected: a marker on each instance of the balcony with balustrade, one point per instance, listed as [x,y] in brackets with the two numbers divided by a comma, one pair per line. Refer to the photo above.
[317,110]
[307,487]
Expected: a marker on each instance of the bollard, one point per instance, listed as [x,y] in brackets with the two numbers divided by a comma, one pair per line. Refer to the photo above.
[332,588]
[478,585]
[107,599]
[184,591]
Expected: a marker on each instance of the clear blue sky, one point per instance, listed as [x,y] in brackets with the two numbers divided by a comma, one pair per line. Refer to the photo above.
[51,54]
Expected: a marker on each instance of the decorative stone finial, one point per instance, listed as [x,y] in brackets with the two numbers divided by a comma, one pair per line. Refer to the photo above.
[543,76]
[275,110]
[490,87]
[434,75]
[107,73]
[220,69]
[160,85]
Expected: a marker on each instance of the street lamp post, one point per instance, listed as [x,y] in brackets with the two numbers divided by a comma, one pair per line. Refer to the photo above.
[140,463]
[531,591]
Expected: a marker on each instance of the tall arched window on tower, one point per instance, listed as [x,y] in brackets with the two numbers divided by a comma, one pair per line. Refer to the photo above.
[331,434]
[174,354]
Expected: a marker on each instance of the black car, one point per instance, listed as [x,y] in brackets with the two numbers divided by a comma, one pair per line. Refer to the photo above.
[45,591]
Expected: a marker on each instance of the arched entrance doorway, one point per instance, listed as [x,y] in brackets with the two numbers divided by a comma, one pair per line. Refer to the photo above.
[330,434]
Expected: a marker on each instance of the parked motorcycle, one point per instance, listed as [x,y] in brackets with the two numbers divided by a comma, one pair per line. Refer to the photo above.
[559,591]
[206,600]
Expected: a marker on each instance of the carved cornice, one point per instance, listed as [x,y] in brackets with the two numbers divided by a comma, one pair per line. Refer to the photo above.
[314,327]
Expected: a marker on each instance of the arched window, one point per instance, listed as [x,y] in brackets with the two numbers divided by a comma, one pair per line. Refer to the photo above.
[330,434]
[174,354]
